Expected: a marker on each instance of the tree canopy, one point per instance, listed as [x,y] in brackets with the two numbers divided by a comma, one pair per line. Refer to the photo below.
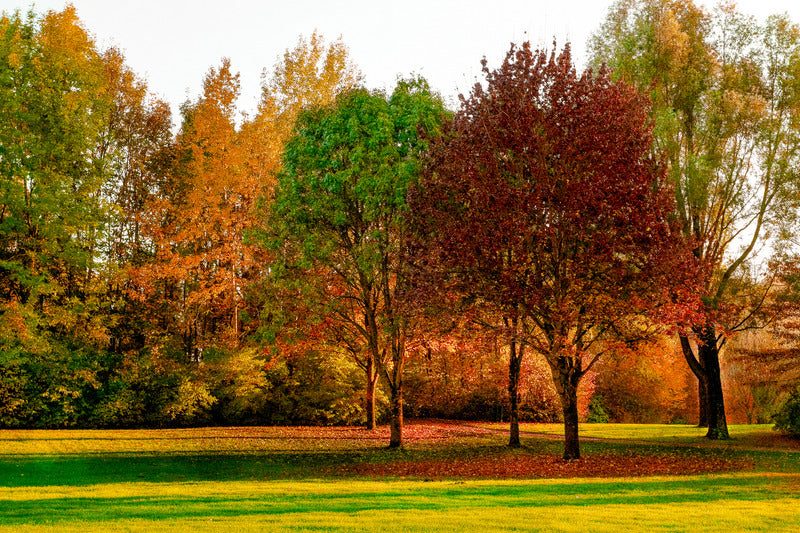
[341,202]
[543,199]
[725,98]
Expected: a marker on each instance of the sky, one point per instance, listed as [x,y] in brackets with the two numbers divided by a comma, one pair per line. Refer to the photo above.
[173,43]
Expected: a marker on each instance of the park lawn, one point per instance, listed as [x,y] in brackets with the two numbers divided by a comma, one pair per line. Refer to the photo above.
[311,478]
[647,432]
[732,502]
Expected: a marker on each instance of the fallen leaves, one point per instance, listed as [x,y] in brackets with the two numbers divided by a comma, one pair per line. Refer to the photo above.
[433,449]
[533,465]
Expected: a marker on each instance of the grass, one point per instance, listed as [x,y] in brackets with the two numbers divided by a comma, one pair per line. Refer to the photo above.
[742,435]
[277,479]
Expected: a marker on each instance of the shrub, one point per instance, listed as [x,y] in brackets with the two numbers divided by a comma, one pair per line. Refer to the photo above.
[597,414]
[787,419]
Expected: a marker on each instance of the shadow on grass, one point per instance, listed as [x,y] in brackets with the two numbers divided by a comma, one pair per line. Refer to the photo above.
[90,469]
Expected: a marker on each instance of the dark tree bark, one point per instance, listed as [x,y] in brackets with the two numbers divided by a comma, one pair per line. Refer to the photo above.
[705,366]
[715,404]
[514,366]
[394,376]
[569,405]
[566,380]
[516,352]
[396,424]
[702,402]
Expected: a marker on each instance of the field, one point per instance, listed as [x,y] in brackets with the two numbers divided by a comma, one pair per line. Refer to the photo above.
[447,477]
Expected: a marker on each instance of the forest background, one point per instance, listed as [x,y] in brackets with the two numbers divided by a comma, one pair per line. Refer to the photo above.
[144,284]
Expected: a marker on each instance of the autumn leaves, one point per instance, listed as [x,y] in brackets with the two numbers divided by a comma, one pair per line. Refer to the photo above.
[247,268]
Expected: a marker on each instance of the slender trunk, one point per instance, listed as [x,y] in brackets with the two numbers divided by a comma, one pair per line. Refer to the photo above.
[396,426]
[513,395]
[369,398]
[395,379]
[516,350]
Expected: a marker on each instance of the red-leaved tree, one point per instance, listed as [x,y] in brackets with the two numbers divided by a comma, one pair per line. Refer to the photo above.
[543,202]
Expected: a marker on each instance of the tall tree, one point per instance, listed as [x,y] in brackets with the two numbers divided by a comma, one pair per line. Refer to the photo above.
[726,100]
[136,150]
[308,76]
[52,209]
[542,200]
[202,261]
[341,200]
[62,146]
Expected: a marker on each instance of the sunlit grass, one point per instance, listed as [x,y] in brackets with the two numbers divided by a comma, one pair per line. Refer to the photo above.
[742,435]
[244,439]
[703,503]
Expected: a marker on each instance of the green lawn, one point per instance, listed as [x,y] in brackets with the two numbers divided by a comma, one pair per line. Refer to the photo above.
[287,479]
[759,436]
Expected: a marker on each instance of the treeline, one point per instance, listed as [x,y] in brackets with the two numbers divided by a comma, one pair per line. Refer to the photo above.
[344,254]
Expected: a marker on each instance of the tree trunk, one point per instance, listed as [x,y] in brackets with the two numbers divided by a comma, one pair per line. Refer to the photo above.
[706,367]
[396,425]
[369,397]
[569,405]
[715,406]
[514,365]
[702,402]
[566,378]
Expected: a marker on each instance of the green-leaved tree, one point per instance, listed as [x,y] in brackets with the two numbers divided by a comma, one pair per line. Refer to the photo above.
[339,209]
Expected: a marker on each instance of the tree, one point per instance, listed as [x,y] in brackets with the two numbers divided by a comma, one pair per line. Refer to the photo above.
[52,210]
[340,201]
[726,102]
[310,75]
[542,201]
[202,263]
[67,140]
[136,150]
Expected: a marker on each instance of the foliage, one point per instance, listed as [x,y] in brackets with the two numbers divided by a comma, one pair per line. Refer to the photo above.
[597,414]
[464,376]
[309,76]
[339,205]
[725,100]
[543,202]
[787,418]
[649,384]
[53,110]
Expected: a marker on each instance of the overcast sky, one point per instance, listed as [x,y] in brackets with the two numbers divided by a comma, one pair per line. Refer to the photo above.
[172,43]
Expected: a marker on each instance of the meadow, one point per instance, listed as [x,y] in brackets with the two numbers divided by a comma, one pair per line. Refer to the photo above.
[447,477]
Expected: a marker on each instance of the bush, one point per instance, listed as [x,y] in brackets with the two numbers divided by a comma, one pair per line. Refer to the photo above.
[787,419]
[597,414]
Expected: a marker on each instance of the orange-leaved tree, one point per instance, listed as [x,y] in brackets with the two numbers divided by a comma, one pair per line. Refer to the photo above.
[199,221]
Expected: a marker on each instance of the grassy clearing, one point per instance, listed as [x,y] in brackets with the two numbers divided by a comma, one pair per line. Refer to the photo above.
[287,479]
